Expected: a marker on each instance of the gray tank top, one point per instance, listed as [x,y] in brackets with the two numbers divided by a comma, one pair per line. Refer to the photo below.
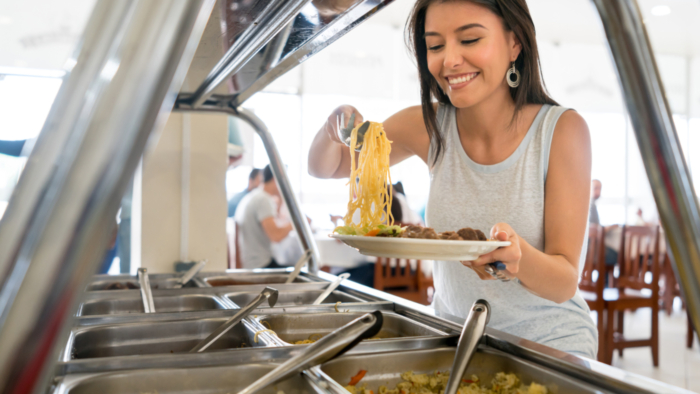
[466,194]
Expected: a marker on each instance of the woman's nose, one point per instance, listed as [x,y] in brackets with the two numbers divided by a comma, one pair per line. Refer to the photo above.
[453,57]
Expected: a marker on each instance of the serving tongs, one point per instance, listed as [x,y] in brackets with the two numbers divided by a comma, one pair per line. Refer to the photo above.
[189,274]
[268,294]
[298,266]
[146,295]
[473,331]
[334,285]
[346,131]
[325,349]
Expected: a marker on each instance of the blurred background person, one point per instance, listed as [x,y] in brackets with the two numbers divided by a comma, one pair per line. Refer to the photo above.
[254,180]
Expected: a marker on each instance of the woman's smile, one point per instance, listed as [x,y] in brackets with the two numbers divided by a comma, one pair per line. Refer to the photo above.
[459,81]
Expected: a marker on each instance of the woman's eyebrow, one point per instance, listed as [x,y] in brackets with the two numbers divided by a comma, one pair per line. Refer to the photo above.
[457,30]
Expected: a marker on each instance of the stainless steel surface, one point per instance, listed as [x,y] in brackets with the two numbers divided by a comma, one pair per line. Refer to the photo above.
[272,20]
[295,298]
[385,369]
[244,279]
[332,286]
[128,284]
[145,290]
[210,380]
[166,304]
[153,338]
[291,327]
[325,349]
[268,294]
[472,333]
[658,142]
[187,276]
[298,266]
[129,63]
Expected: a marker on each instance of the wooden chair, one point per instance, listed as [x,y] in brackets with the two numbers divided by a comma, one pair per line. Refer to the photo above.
[639,256]
[592,282]
[670,289]
[401,280]
[689,340]
[238,249]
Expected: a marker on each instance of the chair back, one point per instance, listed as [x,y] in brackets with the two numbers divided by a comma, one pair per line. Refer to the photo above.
[593,274]
[396,273]
[639,256]
[238,249]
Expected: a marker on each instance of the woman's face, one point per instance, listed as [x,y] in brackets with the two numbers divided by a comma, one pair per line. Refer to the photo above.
[469,51]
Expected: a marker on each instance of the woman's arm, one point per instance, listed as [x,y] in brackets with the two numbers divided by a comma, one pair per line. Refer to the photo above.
[553,274]
[330,158]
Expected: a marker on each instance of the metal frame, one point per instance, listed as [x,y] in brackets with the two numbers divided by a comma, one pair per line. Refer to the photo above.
[658,142]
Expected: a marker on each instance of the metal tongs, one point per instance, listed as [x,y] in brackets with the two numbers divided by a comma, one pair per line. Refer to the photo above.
[187,276]
[473,331]
[325,349]
[268,294]
[146,295]
[346,131]
[297,267]
[334,285]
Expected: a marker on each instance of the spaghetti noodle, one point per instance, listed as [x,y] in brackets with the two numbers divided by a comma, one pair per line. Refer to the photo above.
[370,186]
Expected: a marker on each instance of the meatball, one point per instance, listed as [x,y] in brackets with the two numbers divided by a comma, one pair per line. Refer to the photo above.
[450,235]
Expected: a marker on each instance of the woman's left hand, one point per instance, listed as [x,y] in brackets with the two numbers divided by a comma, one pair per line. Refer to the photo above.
[508,255]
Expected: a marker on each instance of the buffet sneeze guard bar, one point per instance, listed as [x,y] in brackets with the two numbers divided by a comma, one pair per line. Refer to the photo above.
[121,85]
[658,142]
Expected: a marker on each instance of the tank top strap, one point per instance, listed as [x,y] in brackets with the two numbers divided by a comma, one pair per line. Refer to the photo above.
[548,125]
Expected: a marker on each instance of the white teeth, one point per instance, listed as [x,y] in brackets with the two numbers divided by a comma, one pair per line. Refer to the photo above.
[454,81]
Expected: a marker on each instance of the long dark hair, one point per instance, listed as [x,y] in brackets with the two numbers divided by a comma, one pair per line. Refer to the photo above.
[516,18]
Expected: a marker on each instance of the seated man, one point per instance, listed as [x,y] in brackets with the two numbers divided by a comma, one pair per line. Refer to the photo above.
[254,180]
[257,228]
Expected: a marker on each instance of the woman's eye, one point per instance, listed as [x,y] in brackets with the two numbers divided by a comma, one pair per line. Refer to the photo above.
[467,42]
[434,47]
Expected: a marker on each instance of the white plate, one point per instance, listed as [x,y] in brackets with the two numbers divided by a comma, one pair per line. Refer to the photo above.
[422,249]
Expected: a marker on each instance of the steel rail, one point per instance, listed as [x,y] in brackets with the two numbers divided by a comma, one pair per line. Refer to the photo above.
[301,225]
[658,142]
[129,65]
[271,21]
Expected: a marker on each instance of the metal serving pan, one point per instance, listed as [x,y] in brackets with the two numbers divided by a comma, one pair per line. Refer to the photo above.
[209,380]
[130,283]
[153,338]
[251,279]
[291,327]
[134,304]
[291,298]
[385,369]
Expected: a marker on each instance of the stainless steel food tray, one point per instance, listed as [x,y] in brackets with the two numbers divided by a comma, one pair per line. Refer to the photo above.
[250,279]
[293,298]
[291,327]
[385,369]
[209,380]
[148,337]
[134,304]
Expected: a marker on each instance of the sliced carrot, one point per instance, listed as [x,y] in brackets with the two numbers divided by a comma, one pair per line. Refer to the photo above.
[372,233]
[467,381]
[356,379]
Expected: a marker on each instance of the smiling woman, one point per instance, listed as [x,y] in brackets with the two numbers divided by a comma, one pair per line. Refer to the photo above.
[504,158]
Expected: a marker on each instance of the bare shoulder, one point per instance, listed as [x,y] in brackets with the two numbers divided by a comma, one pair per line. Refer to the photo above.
[571,125]
[571,142]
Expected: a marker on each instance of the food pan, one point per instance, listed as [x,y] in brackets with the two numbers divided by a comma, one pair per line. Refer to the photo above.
[209,380]
[134,304]
[291,327]
[251,279]
[130,283]
[385,369]
[291,298]
[153,338]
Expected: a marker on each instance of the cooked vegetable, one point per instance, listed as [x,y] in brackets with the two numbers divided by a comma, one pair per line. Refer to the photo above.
[356,379]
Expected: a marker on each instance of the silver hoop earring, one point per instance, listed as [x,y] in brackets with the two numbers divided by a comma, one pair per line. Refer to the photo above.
[513,77]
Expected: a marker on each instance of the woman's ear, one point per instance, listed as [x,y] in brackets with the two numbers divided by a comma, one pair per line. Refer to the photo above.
[515,46]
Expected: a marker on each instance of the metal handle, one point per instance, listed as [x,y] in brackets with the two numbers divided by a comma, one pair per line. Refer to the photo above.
[473,331]
[323,350]
[297,267]
[268,294]
[146,295]
[496,269]
[187,276]
[330,288]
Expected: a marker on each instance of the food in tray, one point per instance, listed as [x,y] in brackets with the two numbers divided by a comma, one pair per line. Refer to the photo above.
[411,383]
[121,286]
[370,185]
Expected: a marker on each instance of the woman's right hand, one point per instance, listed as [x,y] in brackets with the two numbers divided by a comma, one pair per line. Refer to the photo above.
[333,126]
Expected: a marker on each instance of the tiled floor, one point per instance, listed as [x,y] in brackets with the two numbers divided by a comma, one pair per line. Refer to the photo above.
[678,365]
